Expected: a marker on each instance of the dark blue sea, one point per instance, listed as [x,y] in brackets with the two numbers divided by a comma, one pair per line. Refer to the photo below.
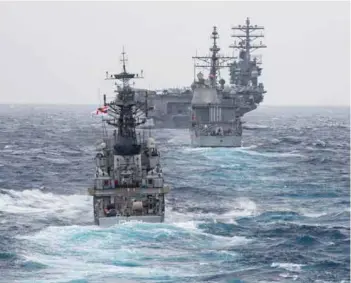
[275,210]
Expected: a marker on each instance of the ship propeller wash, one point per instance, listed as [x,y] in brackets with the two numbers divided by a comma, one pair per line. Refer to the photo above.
[216,108]
[129,184]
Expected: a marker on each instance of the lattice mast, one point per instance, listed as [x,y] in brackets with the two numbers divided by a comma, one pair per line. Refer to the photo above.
[124,107]
[246,44]
[214,62]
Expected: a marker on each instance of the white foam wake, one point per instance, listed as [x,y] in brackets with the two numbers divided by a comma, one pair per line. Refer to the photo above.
[36,203]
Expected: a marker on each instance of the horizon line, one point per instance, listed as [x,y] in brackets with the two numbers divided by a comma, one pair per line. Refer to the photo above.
[97,104]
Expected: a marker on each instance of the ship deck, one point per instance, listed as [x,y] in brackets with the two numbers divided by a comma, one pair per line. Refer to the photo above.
[127,191]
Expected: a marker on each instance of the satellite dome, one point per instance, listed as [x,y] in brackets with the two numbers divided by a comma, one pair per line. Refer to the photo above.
[227,88]
[200,76]
[151,143]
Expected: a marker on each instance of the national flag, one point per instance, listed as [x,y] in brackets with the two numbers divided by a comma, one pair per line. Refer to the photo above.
[100,111]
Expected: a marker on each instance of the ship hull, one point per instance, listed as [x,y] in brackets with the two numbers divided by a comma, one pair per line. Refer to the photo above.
[215,141]
[120,220]
[172,122]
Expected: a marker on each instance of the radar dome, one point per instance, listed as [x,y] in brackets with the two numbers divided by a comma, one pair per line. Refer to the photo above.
[151,143]
[227,88]
[101,146]
[200,76]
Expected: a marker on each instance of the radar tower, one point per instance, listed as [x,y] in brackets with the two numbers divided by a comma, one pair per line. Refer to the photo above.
[214,61]
[245,47]
[124,109]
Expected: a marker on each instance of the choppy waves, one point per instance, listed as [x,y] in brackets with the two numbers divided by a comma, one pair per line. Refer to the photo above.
[276,210]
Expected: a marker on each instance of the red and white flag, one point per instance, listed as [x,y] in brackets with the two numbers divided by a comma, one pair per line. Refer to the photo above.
[101,111]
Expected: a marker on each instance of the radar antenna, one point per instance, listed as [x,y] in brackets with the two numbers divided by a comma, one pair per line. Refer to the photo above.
[245,43]
[214,61]
[246,46]
[125,110]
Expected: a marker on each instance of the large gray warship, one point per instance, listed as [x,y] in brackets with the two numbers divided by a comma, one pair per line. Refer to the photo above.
[173,105]
[216,108]
[129,184]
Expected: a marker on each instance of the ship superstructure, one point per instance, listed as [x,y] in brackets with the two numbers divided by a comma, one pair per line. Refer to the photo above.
[245,71]
[217,108]
[129,183]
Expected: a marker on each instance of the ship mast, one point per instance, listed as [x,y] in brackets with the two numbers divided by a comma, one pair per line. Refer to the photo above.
[246,44]
[214,49]
[124,109]
[125,77]
[214,62]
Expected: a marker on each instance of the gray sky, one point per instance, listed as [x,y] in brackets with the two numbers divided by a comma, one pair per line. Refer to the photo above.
[58,52]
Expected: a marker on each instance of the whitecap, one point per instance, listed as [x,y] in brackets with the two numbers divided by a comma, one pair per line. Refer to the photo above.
[293,267]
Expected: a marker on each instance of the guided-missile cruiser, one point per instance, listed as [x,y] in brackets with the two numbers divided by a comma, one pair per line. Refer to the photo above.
[216,108]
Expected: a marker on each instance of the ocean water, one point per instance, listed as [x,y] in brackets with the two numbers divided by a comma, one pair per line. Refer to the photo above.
[275,210]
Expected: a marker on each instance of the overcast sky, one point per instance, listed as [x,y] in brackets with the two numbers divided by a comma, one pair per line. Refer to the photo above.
[58,52]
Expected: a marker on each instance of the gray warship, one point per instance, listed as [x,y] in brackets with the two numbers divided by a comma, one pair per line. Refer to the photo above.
[244,72]
[216,108]
[128,184]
